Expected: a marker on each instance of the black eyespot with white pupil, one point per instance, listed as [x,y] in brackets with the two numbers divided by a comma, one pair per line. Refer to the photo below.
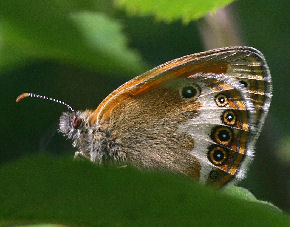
[222,135]
[229,117]
[217,155]
[191,91]
[244,83]
[221,100]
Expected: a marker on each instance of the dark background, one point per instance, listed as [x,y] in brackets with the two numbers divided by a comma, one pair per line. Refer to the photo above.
[31,126]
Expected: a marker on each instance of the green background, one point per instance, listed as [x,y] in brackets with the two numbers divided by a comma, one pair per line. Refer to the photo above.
[41,51]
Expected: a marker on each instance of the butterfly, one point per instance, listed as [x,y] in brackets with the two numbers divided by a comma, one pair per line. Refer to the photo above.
[199,115]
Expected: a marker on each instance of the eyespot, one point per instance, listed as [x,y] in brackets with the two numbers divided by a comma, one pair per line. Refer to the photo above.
[244,83]
[192,91]
[221,100]
[217,155]
[229,117]
[213,175]
[77,122]
[222,135]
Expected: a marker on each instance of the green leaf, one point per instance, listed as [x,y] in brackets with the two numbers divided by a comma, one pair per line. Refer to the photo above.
[46,190]
[169,10]
[244,193]
[64,32]
[41,225]
[104,35]
[283,152]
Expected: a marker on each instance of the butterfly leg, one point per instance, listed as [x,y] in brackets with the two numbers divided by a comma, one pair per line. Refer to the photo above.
[81,154]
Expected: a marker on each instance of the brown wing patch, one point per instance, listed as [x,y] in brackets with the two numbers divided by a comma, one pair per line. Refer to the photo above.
[146,129]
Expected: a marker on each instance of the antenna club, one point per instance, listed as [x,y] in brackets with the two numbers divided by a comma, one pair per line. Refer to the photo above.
[22,96]
[25,95]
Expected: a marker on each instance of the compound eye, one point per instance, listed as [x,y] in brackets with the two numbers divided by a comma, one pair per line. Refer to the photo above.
[77,122]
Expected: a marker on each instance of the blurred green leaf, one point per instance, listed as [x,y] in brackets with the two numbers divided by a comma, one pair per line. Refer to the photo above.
[244,193]
[104,35]
[46,190]
[64,32]
[284,150]
[169,10]
[41,225]
[10,56]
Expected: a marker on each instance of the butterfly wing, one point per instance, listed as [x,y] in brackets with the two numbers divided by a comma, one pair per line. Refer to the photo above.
[195,136]
[224,131]
[245,63]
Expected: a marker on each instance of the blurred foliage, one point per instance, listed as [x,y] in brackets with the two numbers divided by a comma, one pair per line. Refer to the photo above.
[60,31]
[169,10]
[79,193]
[243,193]
[79,51]
[284,149]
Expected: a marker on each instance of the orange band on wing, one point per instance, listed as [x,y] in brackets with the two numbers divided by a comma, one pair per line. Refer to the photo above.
[220,179]
[149,81]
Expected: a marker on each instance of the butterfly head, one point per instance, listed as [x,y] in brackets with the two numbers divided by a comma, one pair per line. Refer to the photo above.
[74,125]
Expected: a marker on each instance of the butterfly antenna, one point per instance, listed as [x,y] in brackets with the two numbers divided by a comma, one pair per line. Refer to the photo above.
[25,95]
